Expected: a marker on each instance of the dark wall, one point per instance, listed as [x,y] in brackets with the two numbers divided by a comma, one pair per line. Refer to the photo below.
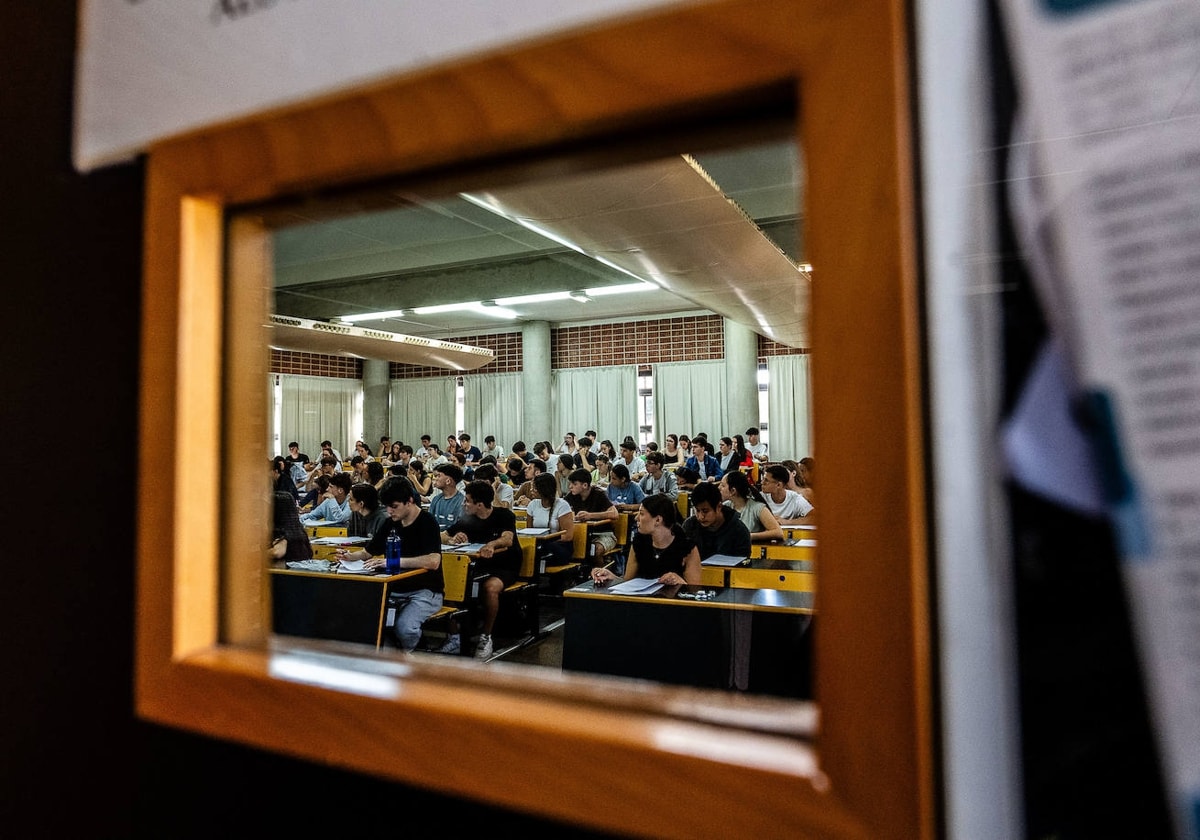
[75,760]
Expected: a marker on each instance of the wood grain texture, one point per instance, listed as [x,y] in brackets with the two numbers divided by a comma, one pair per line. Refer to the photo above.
[508,737]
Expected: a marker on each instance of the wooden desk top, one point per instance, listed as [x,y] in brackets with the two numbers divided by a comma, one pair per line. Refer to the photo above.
[767,600]
[376,578]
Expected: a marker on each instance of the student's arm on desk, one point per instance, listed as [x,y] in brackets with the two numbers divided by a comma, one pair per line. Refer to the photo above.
[421,561]
[771,528]
[602,575]
[566,524]
[809,518]
[505,540]
[610,514]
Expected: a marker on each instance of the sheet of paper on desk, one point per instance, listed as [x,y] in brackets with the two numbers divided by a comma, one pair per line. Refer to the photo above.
[353,567]
[465,548]
[637,586]
[338,540]
[723,560]
[310,565]
[533,532]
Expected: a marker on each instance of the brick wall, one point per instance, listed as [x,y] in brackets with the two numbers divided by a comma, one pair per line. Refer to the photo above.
[694,338]
[315,364]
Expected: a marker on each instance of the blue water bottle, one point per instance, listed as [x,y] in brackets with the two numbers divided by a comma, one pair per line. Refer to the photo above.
[391,552]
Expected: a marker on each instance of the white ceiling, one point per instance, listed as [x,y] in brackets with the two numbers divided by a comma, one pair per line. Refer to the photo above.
[426,251]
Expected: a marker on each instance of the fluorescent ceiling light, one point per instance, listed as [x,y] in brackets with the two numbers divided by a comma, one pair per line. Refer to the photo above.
[498,312]
[447,307]
[543,297]
[369,316]
[581,297]
[601,291]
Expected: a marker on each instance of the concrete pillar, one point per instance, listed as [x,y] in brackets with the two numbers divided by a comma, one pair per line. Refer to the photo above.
[535,382]
[377,415]
[741,377]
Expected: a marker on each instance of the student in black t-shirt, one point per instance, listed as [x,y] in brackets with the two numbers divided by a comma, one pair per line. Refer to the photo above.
[500,557]
[659,550]
[420,548]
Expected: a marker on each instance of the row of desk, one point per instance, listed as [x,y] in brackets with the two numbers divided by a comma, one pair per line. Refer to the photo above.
[749,630]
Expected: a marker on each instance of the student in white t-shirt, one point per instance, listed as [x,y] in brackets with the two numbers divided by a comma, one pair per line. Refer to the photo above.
[789,507]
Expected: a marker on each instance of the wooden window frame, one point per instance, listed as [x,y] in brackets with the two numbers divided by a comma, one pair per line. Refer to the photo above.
[543,744]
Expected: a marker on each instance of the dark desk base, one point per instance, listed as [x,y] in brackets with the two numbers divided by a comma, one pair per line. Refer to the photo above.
[689,644]
[332,606]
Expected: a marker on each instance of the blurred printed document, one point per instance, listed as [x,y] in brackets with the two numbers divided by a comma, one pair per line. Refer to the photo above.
[1111,90]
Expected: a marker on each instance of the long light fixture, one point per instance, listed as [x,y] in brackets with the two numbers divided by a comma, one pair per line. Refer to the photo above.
[499,308]
[370,316]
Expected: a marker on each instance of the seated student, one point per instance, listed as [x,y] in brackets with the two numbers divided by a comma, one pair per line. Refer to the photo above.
[327,467]
[327,449]
[602,474]
[672,451]
[423,451]
[701,463]
[657,478]
[376,474]
[514,472]
[446,503]
[622,492]
[363,451]
[632,461]
[686,479]
[468,470]
[393,455]
[435,458]
[420,548]
[749,505]
[366,514]
[659,550]
[804,477]
[504,492]
[607,448]
[564,465]
[715,528]
[584,456]
[314,496]
[543,450]
[385,446]
[789,507]
[519,451]
[281,478]
[591,505]
[468,449]
[490,447]
[550,510]
[500,557]
[288,539]
[742,455]
[421,481]
[730,458]
[568,444]
[358,469]
[756,447]
[335,509]
[526,491]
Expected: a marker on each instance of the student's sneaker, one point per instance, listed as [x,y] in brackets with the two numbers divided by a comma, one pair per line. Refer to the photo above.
[484,650]
[451,645]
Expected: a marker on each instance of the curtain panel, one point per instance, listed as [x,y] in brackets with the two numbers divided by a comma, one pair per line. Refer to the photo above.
[492,405]
[317,408]
[600,398]
[689,397]
[423,407]
[789,407]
